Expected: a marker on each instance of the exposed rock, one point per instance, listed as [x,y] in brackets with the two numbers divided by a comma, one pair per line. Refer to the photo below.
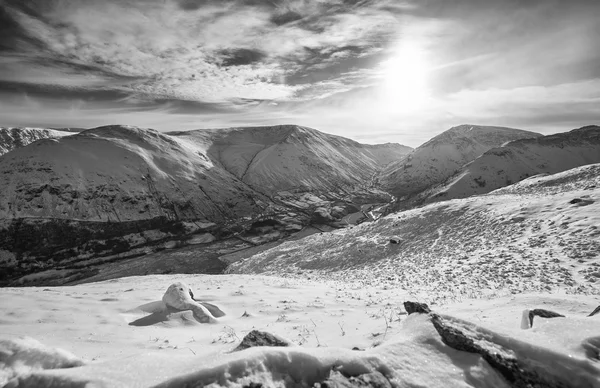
[260,338]
[339,380]
[581,201]
[416,307]
[395,240]
[518,372]
[596,311]
[542,313]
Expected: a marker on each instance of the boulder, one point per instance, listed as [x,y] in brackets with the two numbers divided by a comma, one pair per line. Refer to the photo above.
[260,338]
[339,380]
[416,307]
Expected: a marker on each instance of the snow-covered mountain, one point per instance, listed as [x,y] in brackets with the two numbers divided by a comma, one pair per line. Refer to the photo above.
[293,158]
[444,155]
[113,190]
[520,159]
[537,235]
[13,137]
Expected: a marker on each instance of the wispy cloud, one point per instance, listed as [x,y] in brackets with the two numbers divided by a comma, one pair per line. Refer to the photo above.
[368,69]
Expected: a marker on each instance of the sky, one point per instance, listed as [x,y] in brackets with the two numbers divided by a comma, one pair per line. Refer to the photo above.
[374,71]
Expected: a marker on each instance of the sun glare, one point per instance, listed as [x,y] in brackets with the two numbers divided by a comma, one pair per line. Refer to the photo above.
[405,79]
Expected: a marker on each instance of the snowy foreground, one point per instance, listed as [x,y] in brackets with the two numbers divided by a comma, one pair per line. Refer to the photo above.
[479,263]
[324,320]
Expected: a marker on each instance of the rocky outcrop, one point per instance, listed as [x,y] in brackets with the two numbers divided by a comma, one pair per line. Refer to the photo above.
[261,338]
[367,380]
[509,358]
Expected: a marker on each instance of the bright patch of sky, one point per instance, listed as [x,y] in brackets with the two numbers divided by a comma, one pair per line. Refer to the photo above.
[375,71]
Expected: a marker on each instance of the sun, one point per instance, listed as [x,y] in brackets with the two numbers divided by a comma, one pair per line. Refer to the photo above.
[405,78]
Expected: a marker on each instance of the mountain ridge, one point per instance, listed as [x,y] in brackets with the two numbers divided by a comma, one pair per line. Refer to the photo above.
[440,157]
[17,137]
[520,159]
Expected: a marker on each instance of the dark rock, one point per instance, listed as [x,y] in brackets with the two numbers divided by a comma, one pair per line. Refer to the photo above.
[260,338]
[518,372]
[542,313]
[253,385]
[416,307]
[596,311]
[357,348]
[581,201]
[338,380]
[592,348]
[395,240]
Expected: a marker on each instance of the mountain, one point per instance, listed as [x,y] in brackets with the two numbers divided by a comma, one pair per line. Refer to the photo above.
[11,137]
[520,159]
[444,155]
[293,158]
[537,235]
[120,191]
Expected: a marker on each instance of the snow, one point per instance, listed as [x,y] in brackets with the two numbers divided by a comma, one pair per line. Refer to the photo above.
[479,262]
[324,320]
[524,238]
[442,156]
[517,160]
[11,138]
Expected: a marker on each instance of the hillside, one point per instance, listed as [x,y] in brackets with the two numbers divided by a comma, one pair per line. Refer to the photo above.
[537,235]
[117,192]
[11,138]
[520,159]
[336,304]
[444,155]
[294,158]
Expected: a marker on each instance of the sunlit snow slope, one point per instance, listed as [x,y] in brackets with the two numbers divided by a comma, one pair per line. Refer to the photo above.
[11,137]
[290,157]
[520,159]
[538,235]
[444,155]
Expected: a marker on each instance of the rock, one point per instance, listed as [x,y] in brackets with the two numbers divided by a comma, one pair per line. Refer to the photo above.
[260,338]
[542,313]
[596,311]
[581,201]
[395,240]
[518,367]
[592,348]
[338,380]
[416,307]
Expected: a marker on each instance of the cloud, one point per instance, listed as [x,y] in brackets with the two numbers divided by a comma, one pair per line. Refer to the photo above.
[409,68]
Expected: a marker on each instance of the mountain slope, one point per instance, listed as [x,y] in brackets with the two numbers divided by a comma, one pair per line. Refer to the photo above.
[533,236]
[117,191]
[118,173]
[520,159]
[443,155]
[11,137]
[294,158]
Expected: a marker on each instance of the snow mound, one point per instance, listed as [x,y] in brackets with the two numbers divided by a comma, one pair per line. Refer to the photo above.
[178,307]
[19,358]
